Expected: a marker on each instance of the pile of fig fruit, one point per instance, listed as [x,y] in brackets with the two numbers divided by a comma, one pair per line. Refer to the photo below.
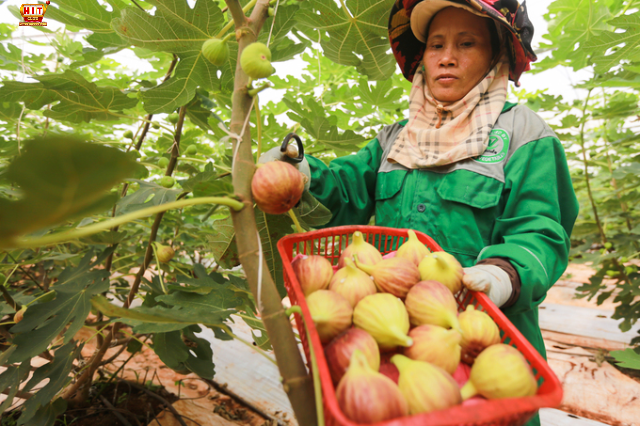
[393,338]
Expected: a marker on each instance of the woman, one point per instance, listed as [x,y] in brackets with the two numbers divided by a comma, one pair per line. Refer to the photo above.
[486,178]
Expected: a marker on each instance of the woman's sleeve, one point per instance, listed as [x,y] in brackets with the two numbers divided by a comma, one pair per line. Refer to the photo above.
[347,185]
[540,209]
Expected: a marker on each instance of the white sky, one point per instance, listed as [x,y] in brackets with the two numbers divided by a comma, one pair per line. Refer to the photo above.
[558,81]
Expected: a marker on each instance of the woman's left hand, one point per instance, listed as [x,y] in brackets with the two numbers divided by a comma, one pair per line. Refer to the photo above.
[489,279]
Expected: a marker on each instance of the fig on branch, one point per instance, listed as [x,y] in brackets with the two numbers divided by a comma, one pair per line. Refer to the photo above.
[128,134]
[366,396]
[20,314]
[444,268]
[313,273]
[216,51]
[394,275]
[385,318]
[173,118]
[340,350]
[277,187]
[352,283]
[255,61]
[191,150]
[165,253]
[330,312]
[167,181]
[367,253]
[163,162]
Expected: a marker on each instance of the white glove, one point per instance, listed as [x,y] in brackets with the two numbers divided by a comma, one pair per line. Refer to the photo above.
[489,279]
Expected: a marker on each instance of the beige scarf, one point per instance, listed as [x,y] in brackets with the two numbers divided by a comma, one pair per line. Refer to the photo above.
[438,134]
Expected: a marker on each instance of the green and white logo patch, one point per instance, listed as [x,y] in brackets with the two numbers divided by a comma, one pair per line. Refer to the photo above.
[497,149]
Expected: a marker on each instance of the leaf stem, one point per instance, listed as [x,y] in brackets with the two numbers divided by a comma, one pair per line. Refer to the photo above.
[296,222]
[101,226]
[241,340]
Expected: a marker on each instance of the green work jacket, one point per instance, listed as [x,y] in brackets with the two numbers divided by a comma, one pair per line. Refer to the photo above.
[516,201]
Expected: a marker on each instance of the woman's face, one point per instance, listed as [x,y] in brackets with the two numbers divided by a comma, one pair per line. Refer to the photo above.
[458,53]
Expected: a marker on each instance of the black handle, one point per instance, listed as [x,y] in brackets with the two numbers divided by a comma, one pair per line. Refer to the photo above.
[285,143]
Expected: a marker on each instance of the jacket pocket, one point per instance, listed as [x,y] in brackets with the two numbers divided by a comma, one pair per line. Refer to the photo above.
[469,208]
[389,198]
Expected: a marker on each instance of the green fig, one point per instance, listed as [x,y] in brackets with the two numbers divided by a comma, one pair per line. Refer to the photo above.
[216,51]
[167,181]
[128,134]
[191,150]
[256,61]
[173,118]
[165,253]
[163,162]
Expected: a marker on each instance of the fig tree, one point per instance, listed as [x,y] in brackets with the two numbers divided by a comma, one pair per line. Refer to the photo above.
[216,51]
[256,61]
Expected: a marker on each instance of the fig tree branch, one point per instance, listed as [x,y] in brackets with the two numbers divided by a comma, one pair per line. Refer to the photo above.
[296,381]
[175,153]
[107,224]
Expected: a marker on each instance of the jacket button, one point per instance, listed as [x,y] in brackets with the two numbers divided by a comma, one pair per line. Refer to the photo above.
[421,208]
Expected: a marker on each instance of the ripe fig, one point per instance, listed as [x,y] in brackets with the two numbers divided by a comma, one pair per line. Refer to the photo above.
[367,253]
[165,253]
[20,314]
[313,273]
[442,267]
[394,275]
[479,331]
[436,345]
[216,51]
[163,162]
[167,181]
[352,283]
[277,187]
[385,318]
[191,150]
[366,396]
[413,249]
[331,313]
[500,371]
[128,134]
[339,351]
[426,387]
[430,302]
[255,61]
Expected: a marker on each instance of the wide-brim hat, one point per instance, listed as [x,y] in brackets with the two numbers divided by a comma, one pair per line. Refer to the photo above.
[409,20]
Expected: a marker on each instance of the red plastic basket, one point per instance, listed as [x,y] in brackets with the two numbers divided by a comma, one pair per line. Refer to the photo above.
[501,412]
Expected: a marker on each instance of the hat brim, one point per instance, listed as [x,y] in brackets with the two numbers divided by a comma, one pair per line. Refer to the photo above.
[424,12]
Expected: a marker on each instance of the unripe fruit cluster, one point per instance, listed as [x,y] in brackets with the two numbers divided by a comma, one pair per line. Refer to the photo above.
[394,341]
